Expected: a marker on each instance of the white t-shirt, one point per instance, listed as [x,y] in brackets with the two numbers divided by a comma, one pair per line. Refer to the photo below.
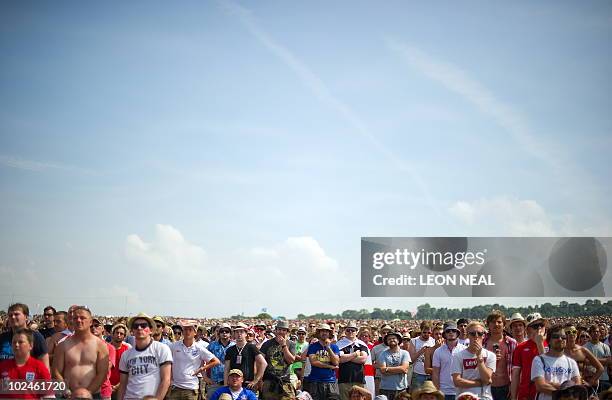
[465,364]
[556,369]
[142,367]
[419,363]
[185,360]
[442,358]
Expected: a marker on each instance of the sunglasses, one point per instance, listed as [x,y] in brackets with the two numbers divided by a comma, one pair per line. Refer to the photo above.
[178,332]
[143,325]
[558,336]
[225,331]
[159,325]
[350,330]
[539,325]
[301,333]
[571,331]
[476,333]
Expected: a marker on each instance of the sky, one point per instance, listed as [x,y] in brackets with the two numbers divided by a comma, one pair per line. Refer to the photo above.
[217,158]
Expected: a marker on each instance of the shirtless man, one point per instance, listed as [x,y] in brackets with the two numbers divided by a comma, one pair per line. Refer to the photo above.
[82,359]
[590,367]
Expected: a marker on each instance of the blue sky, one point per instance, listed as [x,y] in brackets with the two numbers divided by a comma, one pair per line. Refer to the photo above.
[211,158]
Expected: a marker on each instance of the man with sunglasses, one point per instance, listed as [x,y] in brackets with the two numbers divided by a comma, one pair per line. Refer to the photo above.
[550,370]
[353,355]
[521,385]
[442,360]
[297,367]
[473,367]
[145,368]
[97,328]
[48,314]
[218,348]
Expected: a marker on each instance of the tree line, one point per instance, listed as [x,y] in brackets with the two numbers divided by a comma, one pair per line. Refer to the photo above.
[426,311]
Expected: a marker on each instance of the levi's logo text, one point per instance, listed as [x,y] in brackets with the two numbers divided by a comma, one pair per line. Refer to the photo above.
[471,363]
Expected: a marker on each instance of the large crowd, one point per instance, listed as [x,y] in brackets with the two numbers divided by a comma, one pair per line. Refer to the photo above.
[77,354]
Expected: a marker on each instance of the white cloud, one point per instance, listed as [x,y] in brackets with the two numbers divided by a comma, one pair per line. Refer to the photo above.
[301,255]
[169,251]
[506,216]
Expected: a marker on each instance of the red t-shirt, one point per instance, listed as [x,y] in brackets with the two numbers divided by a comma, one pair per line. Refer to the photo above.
[32,369]
[522,357]
[115,376]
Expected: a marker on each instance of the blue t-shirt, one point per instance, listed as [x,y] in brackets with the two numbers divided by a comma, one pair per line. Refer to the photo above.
[216,372]
[6,351]
[322,374]
[245,394]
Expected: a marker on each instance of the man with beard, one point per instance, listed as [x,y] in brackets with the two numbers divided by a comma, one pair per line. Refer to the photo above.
[279,353]
[324,359]
[353,355]
[393,364]
[521,386]
[442,361]
[473,367]
[378,348]
[119,333]
[550,370]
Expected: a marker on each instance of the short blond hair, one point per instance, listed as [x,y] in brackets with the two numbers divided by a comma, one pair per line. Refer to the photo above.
[473,324]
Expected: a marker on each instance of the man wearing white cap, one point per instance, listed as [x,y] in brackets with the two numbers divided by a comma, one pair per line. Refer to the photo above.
[245,357]
[517,327]
[190,358]
[443,358]
[521,386]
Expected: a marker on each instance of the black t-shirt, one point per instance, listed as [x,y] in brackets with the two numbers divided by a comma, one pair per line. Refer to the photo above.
[243,359]
[351,372]
[47,332]
[273,353]
[6,351]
